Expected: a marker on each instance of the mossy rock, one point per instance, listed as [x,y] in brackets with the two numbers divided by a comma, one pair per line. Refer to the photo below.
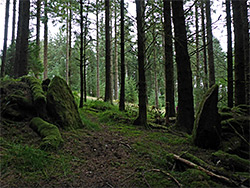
[207,127]
[37,93]
[61,105]
[231,161]
[51,136]
[16,100]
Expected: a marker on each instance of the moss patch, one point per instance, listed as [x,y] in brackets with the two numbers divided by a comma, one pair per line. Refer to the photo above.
[37,93]
[61,105]
[232,161]
[50,133]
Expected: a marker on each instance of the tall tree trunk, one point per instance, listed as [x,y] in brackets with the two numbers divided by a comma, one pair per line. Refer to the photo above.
[97,52]
[21,58]
[67,46]
[70,42]
[198,81]
[142,118]
[84,54]
[108,92]
[45,51]
[122,88]
[246,43]
[205,80]
[13,23]
[116,58]
[169,67]
[38,19]
[6,24]
[81,54]
[240,97]
[155,65]
[111,57]
[185,115]
[229,56]
[210,45]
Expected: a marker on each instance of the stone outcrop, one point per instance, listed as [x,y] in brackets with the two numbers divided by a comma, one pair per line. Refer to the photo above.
[206,132]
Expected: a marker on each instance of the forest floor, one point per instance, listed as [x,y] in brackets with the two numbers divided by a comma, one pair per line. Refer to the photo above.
[108,152]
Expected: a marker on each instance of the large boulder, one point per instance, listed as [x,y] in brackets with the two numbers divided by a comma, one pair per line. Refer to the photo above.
[16,101]
[61,105]
[207,128]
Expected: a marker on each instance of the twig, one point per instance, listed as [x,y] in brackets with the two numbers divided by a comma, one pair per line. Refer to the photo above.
[145,180]
[107,183]
[168,174]
[238,133]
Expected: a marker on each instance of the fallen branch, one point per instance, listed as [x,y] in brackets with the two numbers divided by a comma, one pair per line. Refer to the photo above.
[191,164]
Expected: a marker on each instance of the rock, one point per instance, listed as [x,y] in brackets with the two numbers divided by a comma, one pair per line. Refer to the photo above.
[16,101]
[206,132]
[50,133]
[61,105]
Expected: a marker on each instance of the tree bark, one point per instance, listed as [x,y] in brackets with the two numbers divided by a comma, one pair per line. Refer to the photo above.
[116,59]
[84,54]
[70,42]
[155,66]
[210,45]
[198,81]
[205,80]
[142,118]
[81,54]
[185,115]
[13,23]
[38,19]
[246,42]
[229,56]
[108,92]
[122,88]
[169,67]
[45,51]
[97,52]
[239,54]
[6,24]
[67,46]
[21,58]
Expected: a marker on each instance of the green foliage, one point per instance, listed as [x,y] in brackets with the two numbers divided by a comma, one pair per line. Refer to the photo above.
[131,92]
[35,64]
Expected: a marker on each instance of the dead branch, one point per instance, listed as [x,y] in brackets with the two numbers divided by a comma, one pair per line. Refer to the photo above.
[168,174]
[193,165]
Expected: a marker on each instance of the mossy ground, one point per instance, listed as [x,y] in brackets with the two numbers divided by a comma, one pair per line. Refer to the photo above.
[108,152]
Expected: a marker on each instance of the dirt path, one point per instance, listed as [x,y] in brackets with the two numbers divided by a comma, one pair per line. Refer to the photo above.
[104,155]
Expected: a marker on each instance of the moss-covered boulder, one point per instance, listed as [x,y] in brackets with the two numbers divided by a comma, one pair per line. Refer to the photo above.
[16,100]
[206,132]
[51,136]
[61,105]
[39,98]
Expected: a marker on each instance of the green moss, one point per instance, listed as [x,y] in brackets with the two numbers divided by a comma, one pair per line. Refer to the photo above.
[50,133]
[231,160]
[62,106]
[37,94]
[36,88]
